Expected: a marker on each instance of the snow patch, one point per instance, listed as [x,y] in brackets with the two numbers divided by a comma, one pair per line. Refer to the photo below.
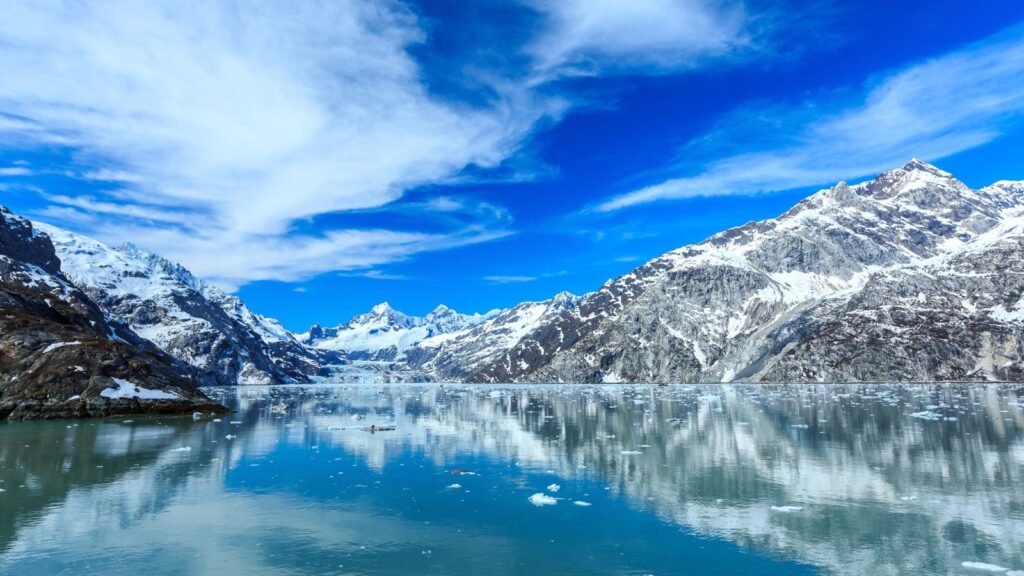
[126,389]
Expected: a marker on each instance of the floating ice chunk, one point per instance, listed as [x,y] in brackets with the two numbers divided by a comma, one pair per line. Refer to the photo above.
[230,437]
[235,422]
[554,488]
[126,389]
[787,508]
[454,486]
[542,499]
[631,452]
[926,415]
[216,420]
[197,415]
[581,503]
[75,397]
[182,449]
[983,567]
[804,426]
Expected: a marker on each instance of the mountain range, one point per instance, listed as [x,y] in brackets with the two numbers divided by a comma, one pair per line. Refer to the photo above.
[910,276]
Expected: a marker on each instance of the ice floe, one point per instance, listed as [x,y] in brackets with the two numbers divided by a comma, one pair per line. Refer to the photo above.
[541,499]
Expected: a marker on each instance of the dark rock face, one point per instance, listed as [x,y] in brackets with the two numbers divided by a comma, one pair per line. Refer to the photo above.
[19,241]
[60,357]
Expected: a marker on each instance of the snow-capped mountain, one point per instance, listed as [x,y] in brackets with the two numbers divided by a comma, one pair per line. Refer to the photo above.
[458,355]
[193,321]
[60,356]
[385,334]
[909,276]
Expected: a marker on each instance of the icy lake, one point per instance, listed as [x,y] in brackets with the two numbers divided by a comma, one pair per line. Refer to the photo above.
[924,479]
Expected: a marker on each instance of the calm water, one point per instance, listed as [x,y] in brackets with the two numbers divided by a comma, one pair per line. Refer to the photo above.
[679,480]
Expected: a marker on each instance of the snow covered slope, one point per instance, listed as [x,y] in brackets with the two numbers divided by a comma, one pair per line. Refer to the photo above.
[59,355]
[910,276]
[191,320]
[384,333]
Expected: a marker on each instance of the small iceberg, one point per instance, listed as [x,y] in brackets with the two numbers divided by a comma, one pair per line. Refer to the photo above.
[631,452]
[554,488]
[787,508]
[581,503]
[983,567]
[453,486]
[182,449]
[541,499]
[230,437]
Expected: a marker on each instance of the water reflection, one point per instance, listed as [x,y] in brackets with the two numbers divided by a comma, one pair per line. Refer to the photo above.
[848,479]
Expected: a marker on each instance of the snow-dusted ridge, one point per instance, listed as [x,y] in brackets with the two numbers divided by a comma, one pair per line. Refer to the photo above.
[188,318]
[909,276]
[384,333]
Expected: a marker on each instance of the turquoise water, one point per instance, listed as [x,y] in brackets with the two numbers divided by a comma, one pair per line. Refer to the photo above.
[679,480]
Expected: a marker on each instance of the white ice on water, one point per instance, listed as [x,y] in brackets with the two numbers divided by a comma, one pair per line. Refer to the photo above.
[541,499]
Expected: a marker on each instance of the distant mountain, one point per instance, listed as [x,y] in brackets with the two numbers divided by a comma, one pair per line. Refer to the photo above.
[463,354]
[61,356]
[385,334]
[189,319]
[912,276]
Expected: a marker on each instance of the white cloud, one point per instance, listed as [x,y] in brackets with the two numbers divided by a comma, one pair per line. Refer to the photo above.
[508,279]
[590,36]
[15,171]
[213,132]
[225,124]
[929,110]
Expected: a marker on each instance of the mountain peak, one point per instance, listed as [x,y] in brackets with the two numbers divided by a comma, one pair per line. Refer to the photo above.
[916,165]
[382,308]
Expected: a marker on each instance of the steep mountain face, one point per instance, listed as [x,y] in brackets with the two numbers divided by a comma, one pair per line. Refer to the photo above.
[910,276]
[461,355]
[61,357]
[193,321]
[385,334]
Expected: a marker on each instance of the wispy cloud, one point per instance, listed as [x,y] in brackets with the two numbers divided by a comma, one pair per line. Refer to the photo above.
[14,171]
[930,110]
[242,120]
[375,275]
[212,130]
[499,279]
[595,36]
[516,279]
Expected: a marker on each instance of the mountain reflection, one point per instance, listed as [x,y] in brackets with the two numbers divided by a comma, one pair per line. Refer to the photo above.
[846,478]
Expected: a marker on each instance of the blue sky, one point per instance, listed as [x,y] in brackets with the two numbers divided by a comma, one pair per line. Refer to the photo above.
[320,157]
